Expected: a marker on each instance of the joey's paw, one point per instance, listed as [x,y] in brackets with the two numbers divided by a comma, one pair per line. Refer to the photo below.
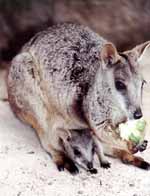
[71,167]
[93,171]
[145,165]
[74,170]
[105,164]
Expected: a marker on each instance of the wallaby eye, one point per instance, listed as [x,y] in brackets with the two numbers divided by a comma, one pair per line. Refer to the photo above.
[77,152]
[120,85]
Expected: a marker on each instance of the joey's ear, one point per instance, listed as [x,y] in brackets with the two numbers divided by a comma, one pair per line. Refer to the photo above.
[109,55]
[64,135]
[64,142]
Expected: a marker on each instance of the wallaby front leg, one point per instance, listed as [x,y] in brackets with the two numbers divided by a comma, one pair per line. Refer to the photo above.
[99,150]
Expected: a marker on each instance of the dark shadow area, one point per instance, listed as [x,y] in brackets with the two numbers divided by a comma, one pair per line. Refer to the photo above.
[126,23]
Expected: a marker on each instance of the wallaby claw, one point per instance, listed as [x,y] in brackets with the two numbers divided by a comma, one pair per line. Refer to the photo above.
[106,165]
[93,171]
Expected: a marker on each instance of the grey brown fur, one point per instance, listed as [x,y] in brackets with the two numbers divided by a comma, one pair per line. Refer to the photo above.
[65,78]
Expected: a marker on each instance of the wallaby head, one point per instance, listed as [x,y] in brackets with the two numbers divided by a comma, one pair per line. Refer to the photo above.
[80,148]
[117,92]
[134,79]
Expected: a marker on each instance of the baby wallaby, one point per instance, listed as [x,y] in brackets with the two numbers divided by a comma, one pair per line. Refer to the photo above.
[69,78]
[77,150]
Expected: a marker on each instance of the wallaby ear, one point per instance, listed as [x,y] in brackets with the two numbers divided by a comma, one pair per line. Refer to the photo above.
[64,135]
[109,55]
[64,138]
[140,48]
[144,54]
[141,54]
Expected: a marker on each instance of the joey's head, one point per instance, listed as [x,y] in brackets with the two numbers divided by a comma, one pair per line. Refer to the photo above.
[117,92]
[80,148]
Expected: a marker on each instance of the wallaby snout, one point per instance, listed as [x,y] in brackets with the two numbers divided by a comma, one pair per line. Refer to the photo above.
[138,113]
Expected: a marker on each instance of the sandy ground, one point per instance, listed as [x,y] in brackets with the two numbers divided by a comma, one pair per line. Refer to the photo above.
[26,170]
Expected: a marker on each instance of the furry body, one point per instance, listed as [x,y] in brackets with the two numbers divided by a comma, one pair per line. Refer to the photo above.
[65,78]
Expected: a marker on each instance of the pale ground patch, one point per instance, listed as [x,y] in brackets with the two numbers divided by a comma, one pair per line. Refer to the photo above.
[27,170]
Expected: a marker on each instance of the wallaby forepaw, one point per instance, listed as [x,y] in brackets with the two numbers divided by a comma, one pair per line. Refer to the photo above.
[143,146]
[105,164]
[93,171]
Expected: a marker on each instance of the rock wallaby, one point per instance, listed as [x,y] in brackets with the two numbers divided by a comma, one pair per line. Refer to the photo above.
[69,78]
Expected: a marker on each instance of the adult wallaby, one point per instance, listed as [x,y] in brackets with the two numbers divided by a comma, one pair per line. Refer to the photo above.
[68,77]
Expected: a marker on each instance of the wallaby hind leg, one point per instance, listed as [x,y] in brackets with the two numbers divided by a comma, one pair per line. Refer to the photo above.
[27,101]
[129,158]
[126,157]
[52,143]
[24,93]
[58,156]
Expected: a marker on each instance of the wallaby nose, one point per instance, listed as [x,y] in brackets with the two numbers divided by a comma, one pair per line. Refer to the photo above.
[138,113]
[89,165]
